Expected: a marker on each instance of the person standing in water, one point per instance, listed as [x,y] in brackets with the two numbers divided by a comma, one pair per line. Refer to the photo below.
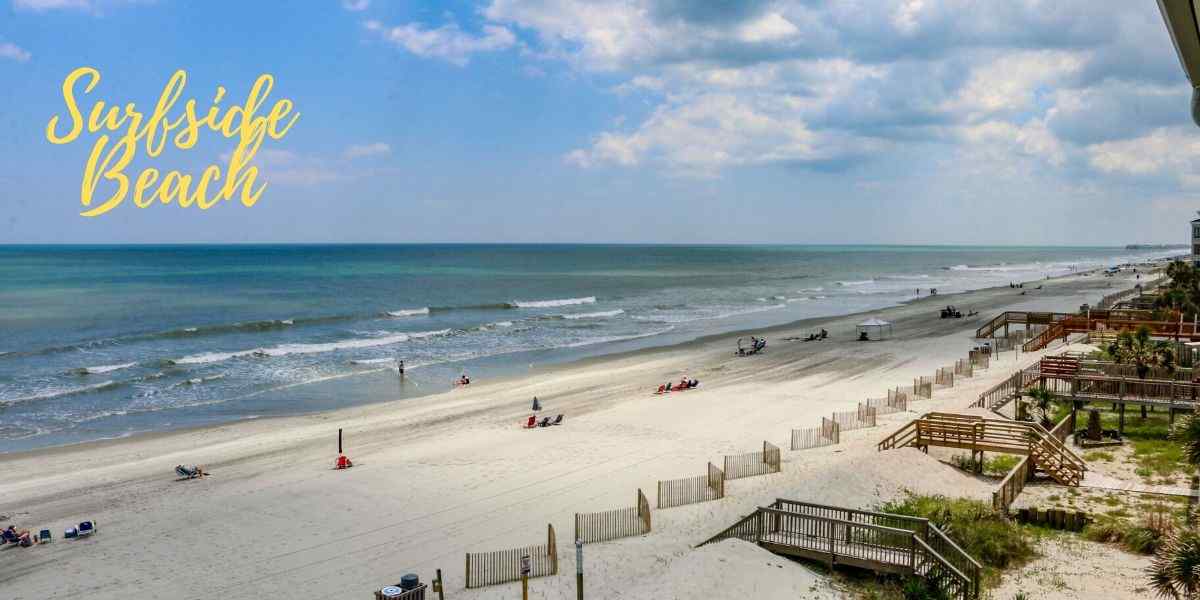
[400,367]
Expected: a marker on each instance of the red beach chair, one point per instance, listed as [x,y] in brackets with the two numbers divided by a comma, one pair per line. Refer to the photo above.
[531,423]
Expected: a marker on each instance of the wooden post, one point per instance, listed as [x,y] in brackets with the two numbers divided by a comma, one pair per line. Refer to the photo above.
[578,570]
[1121,420]
[339,440]
[441,586]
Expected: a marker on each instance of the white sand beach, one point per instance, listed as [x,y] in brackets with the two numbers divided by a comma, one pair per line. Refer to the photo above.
[451,473]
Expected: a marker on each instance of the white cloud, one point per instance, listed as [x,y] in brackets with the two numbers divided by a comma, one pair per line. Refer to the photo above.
[12,51]
[362,150]
[356,5]
[702,135]
[1009,82]
[1169,152]
[447,42]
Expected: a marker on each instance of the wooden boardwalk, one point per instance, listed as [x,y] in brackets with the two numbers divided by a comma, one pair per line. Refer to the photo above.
[979,435]
[880,542]
[1085,381]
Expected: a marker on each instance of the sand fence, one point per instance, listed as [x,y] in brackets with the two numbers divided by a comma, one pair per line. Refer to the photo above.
[964,368]
[922,388]
[860,418]
[944,377]
[753,463]
[828,434]
[614,524]
[502,566]
[896,402]
[690,490]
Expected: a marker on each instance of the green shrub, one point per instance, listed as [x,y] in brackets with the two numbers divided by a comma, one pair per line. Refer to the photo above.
[976,527]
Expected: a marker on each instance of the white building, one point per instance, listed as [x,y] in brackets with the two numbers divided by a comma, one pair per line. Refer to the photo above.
[1196,242]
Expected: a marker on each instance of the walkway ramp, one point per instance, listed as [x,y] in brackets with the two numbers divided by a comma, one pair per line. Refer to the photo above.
[977,434]
[880,542]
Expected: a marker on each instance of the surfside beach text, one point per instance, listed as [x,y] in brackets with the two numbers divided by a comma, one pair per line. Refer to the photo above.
[111,156]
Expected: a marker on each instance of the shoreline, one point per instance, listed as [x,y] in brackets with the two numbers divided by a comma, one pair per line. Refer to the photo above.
[454,472]
[512,377]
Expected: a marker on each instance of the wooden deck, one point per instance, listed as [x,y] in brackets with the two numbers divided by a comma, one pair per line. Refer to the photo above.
[979,435]
[880,542]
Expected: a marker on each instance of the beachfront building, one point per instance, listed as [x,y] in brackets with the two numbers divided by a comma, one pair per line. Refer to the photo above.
[1196,242]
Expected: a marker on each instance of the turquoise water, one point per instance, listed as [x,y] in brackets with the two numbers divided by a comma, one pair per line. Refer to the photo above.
[104,341]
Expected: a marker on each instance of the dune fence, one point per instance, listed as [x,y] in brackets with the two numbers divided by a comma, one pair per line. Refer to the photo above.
[964,368]
[753,463]
[614,524]
[894,403]
[828,434]
[944,377]
[502,566]
[979,359]
[922,387]
[861,418]
[690,490]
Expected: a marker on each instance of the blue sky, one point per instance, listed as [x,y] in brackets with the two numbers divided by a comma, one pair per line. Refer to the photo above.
[886,121]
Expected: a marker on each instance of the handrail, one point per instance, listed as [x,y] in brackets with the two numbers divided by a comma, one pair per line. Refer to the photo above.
[920,540]
[883,528]
[869,513]
[946,564]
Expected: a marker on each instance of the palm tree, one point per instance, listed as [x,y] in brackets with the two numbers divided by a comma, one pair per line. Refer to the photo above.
[1175,572]
[1182,293]
[1043,401]
[1187,432]
[1138,349]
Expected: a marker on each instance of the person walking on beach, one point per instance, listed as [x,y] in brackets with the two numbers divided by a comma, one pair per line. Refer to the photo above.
[536,405]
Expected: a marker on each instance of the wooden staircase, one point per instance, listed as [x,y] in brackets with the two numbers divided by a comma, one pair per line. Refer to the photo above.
[978,434]
[881,542]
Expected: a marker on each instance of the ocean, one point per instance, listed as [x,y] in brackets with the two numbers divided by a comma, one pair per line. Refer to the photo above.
[105,341]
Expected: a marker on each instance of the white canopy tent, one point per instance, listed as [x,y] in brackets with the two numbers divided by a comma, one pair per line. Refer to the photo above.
[874,328]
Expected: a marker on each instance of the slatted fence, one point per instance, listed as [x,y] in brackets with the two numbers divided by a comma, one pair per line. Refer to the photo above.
[614,524]
[753,463]
[898,396]
[501,566]
[897,403]
[923,387]
[964,368]
[944,377]
[979,360]
[861,418]
[690,490]
[828,434]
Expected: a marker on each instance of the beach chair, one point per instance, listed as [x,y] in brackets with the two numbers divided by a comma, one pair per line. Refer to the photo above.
[557,420]
[531,423]
[544,423]
[188,472]
[86,528]
[44,536]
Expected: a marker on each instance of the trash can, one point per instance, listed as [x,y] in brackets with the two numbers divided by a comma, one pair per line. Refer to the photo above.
[409,582]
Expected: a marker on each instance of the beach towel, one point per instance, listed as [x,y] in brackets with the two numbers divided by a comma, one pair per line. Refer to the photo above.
[531,423]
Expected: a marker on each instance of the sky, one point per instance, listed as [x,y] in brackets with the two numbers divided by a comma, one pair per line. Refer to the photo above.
[1039,122]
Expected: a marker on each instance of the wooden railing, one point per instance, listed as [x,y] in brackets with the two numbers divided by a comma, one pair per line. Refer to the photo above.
[690,490]
[886,542]
[753,463]
[1018,318]
[991,435]
[614,524]
[490,568]
[1003,392]
[1014,482]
